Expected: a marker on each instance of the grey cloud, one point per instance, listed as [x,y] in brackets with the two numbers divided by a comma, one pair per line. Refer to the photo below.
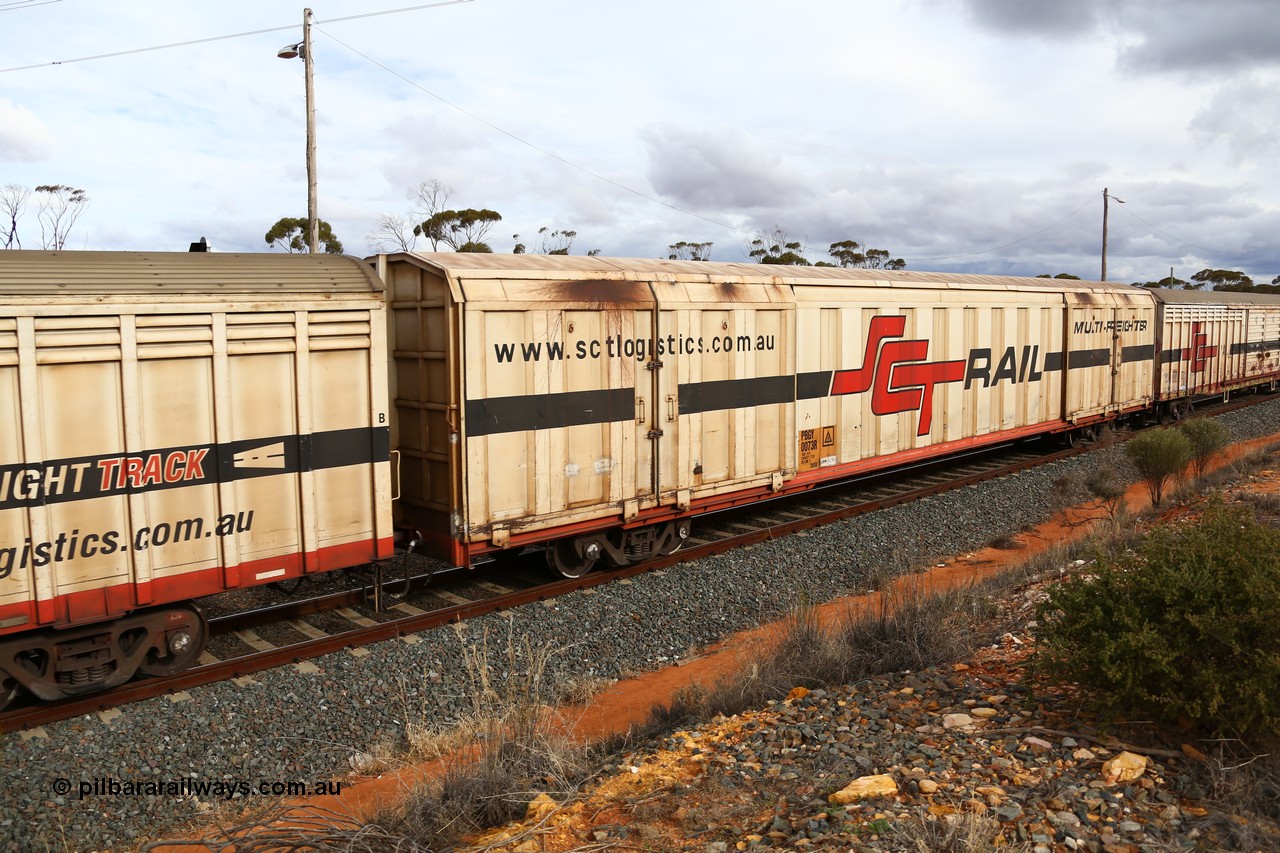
[1187,35]
[1036,17]
[1151,35]
[955,221]
[1246,118]
[718,169]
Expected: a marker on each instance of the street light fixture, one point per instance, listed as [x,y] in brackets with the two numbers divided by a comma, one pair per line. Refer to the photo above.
[1106,197]
[293,51]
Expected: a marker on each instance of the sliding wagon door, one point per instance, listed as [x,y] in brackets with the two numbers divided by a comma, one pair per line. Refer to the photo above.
[726,388]
[558,403]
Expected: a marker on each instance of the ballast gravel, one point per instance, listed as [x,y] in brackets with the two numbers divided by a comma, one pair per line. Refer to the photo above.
[74,785]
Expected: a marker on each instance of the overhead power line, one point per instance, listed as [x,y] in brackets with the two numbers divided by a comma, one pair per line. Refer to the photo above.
[176,44]
[537,147]
[1007,245]
[15,5]
[1177,239]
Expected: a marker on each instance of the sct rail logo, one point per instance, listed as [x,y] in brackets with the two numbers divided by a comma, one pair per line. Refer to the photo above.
[1198,353]
[896,372]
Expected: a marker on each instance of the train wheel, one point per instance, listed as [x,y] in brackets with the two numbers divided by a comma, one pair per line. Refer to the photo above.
[572,559]
[9,689]
[678,534]
[182,641]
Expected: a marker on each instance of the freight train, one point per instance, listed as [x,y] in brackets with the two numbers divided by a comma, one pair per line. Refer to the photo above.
[180,425]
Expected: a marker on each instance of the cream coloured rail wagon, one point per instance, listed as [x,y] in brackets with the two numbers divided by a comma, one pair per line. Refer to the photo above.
[598,404]
[177,425]
[181,424]
[1212,343]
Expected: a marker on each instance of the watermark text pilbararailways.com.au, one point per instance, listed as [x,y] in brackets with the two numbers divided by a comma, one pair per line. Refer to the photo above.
[226,789]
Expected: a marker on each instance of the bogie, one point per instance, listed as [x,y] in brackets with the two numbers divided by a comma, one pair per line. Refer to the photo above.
[576,556]
[58,664]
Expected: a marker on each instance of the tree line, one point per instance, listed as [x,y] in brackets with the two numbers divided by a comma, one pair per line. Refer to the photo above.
[432,219]
[1206,279]
[1210,279]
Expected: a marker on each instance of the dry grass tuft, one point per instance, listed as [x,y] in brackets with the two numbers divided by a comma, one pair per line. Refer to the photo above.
[310,829]
[1238,782]
[521,748]
[965,832]
[910,627]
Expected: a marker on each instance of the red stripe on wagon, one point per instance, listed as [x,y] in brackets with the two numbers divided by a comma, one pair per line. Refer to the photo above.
[91,605]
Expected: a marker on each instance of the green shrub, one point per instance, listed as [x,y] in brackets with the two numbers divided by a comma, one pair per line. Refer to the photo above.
[1183,628]
[1207,438]
[1104,483]
[1159,456]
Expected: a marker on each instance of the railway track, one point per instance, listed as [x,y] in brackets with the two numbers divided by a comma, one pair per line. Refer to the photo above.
[250,641]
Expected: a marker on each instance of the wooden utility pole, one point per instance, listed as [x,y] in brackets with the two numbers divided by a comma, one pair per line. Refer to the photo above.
[1106,197]
[313,219]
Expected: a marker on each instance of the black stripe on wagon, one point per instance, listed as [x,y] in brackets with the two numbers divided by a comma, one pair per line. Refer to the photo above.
[1141,352]
[1170,355]
[87,477]
[1088,358]
[736,394]
[813,385]
[497,415]
[1052,362]
[1254,346]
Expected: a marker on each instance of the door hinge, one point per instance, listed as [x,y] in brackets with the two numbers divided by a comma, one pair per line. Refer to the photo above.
[653,365]
[653,433]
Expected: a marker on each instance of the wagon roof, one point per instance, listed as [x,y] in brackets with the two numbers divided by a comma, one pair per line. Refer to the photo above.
[1214,297]
[37,273]
[461,266]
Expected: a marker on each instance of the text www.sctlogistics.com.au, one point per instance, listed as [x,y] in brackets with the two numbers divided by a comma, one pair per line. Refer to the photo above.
[77,545]
[225,789]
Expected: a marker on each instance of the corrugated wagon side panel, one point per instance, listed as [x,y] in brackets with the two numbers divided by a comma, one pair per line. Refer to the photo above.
[1197,352]
[262,403]
[343,403]
[81,409]
[1088,359]
[727,393]
[175,407]
[16,579]
[886,371]
[503,461]
[168,440]
[1133,358]
[1109,353]
[1263,342]
[163,457]
[551,398]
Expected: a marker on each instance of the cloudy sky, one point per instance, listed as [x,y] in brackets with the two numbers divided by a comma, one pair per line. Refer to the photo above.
[966,135]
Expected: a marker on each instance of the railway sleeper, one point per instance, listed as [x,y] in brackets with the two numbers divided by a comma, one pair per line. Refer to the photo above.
[574,556]
[59,663]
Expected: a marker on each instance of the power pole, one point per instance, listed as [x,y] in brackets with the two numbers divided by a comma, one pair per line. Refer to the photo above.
[313,219]
[1106,197]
